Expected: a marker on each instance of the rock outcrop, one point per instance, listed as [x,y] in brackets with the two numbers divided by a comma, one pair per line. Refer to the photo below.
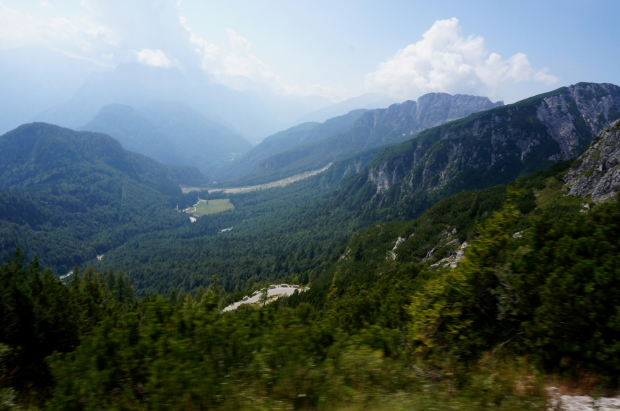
[596,172]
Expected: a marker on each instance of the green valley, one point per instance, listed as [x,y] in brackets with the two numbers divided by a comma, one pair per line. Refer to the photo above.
[204,207]
[68,196]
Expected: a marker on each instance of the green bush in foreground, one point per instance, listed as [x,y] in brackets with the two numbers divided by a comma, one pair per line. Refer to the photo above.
[554,293]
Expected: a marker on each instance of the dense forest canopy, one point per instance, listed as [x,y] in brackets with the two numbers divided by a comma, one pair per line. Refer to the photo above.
[67,196]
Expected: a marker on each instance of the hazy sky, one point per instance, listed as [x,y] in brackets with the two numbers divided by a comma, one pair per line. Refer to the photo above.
[502,49]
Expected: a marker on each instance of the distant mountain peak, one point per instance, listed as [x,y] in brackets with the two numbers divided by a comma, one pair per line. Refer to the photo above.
[170,132]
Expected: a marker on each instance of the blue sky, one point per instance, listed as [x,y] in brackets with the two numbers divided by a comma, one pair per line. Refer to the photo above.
[340,49]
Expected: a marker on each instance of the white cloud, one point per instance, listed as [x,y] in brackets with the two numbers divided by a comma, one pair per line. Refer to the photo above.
[208,52]
[240,62]
[75,35]
[242,69]
[154,58]
[46,4]
[154,33]
[445,61]
[145,24]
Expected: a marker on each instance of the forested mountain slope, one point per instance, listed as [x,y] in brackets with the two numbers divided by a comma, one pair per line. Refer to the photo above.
[280,233]
[489,148]
[172,133]
[372,129]
[67,196]
[301,134]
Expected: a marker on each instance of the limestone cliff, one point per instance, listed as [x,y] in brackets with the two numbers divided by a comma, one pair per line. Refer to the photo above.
[402,120]
[496,146]
[596,173]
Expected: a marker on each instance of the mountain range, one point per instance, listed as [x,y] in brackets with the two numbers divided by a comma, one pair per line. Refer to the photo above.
[87,176]
[367,101]
[489,148]
[67,196]
[171,133]
[295,136]
[253,114]
[371,129]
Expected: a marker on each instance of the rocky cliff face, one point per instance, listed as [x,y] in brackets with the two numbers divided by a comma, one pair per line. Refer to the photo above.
[495,146]
[375,128]
[596,173]
[590,106]
[429,111]
[401,121]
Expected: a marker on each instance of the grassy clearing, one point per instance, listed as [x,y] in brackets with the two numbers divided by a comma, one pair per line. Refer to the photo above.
[551,199]
[204,207]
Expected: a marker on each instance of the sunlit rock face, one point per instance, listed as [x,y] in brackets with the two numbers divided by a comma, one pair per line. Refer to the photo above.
[497,145]
[596,172]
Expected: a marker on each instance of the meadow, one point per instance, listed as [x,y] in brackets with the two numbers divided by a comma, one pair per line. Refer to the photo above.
[204,207]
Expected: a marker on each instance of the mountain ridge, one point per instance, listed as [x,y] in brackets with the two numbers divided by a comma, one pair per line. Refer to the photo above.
[300,134]
[253,114]
[68,196]
[169,132]
[374,128]
[491,147]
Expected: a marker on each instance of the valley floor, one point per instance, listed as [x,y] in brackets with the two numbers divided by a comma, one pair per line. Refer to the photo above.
[280,183]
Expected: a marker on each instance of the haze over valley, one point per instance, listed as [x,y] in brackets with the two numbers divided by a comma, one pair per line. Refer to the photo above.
[309,206]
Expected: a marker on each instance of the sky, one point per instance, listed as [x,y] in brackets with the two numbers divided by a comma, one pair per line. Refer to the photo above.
[339,48]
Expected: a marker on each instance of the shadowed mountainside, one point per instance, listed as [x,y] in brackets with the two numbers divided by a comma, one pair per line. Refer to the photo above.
[172,133]
[67,196]
[301,134]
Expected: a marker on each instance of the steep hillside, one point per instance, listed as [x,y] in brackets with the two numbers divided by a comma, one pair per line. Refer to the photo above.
[39,154]
[597,171]
[172,133]
[134,132]
[279,142]
[435,238]
[372,129]
[493,147]
[522,268]
[67,196]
